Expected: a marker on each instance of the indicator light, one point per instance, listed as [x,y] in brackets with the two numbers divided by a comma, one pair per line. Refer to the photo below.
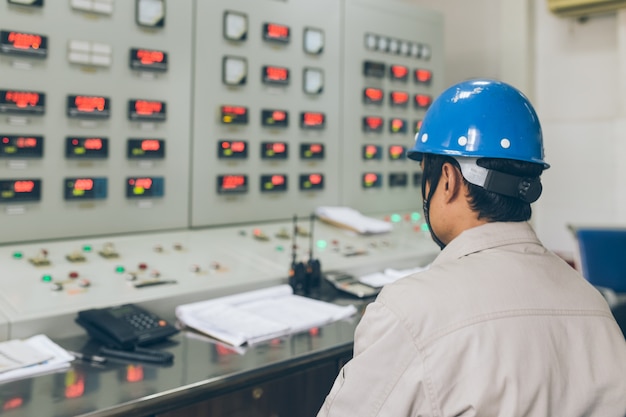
[415,216]
[17,255]
[396,218]
[424,227]
[86,248]
[46,278]
[322,244]
[120,269]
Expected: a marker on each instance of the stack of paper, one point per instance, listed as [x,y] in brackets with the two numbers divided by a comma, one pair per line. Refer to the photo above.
[389,275]
[351,219]
[32,356]
[256,316]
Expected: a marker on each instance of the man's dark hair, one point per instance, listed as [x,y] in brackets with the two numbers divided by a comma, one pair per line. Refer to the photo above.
[489,205]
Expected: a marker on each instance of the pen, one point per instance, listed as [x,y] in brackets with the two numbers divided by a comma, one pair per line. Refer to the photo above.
[88,358]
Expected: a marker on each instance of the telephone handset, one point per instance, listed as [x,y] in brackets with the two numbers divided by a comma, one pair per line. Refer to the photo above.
[125,326]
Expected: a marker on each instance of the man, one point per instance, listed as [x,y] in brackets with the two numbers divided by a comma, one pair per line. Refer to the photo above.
[498,325]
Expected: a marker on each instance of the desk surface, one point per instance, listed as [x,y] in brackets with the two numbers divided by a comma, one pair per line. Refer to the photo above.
[200,367]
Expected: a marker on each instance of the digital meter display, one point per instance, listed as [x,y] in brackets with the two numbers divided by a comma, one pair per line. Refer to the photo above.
[311,151]
[274,150]
[24,44]
[275,118]
[88,107]
[398,179]
[234,115]
[147,110]
[398,72]
[273,183]
[29,3]
[373,96]
[399,98]
[312,120]
[373,124]
[273,75]
[145,187]
[86,148]
[232,184]
[397,152]
[85,188]
[145,149]
[423,76]
[397,125]
[21,146]
[372,152]
[20,190]
[274,32]
[372,180]
[374,69]
[422,101]
[148,60]
[311,182]
[417,126]
[22,102]
[232,149]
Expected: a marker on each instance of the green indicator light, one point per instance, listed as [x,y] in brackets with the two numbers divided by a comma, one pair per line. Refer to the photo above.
[424,227]
[415,216]
[120,269]
[87,248]
[17,255]
[46,278]
[322,244]
[279,248]
[396,218]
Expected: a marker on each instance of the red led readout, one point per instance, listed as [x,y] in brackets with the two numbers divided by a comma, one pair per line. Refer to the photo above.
[423,100]
[396,151]
[24,142]
[399,72]
[23,186]
[370,178]
[374,94]
[150,145]
[94,144]
[22,98]
[315,179]
[316,148]
[397,125]
[279,115]
[276,73]
[312,119]
[399,98]
[276,31]
[90,104]
[83,184]
[150,57]
[145,183]
[230,182]
[234,146]
[278,179]
[423,76]
[373,123]
[25,40]
[237,110]
[144,107]
[278,147]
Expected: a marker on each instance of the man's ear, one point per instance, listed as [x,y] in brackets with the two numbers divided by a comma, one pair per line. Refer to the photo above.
[452,181]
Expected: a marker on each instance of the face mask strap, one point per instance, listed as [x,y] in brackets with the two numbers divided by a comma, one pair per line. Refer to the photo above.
[527,189]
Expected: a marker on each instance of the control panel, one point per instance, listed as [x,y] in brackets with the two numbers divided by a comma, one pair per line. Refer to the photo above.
[266,110]
[392,70]
[44,285]
[94,118]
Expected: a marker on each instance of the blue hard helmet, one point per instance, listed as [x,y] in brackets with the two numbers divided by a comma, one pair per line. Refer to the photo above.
[481,118]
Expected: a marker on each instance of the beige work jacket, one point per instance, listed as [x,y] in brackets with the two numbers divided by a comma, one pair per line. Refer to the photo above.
[498,326]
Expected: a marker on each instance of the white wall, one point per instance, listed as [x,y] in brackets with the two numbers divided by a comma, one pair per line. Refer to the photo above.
[571,71]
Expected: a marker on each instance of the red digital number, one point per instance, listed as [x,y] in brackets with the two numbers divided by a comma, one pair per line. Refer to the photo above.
[313,119]
[150,57]
[150,145]
[26,142]
[374,94]
[315,179]
[89,104]
[22,99]
[83,184]
[23,186]
[278,179]
[145,107]
[25,40]
[233,181]
[94,144]
[277,31]
[277,73]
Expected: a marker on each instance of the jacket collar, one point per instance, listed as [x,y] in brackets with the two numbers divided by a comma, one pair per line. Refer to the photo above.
[487,236]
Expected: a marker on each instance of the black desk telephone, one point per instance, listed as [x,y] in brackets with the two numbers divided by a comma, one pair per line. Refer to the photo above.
[124,329]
